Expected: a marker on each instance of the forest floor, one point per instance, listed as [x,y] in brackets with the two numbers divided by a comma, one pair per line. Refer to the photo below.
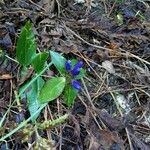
[112,38]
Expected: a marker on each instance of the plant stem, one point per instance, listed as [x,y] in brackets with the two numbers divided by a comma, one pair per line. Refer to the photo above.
[23,90]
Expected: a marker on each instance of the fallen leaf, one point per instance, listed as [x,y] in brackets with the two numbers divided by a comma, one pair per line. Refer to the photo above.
[98,139]
[47,5]
[6,41]
[104,139]
[112,123]
[139,143]
[108,66]
[5,77]
[26,76]
[122,102]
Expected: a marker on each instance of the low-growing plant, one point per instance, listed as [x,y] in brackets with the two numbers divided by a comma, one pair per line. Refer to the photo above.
[66,83]
[38,91]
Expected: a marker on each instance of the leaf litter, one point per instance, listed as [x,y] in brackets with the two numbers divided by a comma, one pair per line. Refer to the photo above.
[112,111]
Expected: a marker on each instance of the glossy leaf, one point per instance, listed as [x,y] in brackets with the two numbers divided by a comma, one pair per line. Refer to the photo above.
[33,103]
[58,61]
[39,61]
[69,95]
[52,89]
[26,46]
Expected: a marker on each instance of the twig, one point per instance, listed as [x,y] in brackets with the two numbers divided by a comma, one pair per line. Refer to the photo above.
[37,5]
[87,94]
[111,9]
[12,59]
[91,113]
[126,129]
[21,92]
[127,54]
[142,111]
[79,37]
[105,6]
[21,125]
[87,61]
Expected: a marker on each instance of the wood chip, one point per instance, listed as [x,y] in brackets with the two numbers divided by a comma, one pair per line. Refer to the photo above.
[5,77]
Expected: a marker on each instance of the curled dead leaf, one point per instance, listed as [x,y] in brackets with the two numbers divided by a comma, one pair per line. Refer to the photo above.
[108,66]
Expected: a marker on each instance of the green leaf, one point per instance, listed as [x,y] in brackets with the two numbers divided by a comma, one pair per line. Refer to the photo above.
[52,89]
[69,95]
[74,61]
[26,46]
[58,61]
[39,61]
[33,103]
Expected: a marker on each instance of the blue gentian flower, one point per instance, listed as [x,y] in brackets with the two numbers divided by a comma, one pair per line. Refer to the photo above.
[68,65]
[79,64]
[76,84]
[75,70]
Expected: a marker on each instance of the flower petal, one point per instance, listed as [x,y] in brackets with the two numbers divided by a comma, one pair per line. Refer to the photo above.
[76,84]
[75,71]
[68,65]
[79,64]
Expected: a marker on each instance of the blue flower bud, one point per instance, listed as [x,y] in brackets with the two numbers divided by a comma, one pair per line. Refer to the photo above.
[68,65]
[76,84]
[79,64]
[75,71]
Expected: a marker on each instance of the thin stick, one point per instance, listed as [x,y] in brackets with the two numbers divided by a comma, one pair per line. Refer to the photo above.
[127,54]
[22,91]
[126,129]
[91,113]
[87,94]
[21,125]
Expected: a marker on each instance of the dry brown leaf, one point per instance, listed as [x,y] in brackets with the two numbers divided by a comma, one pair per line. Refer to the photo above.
[112,123]
[108,66]
[47,5]
[26,77]
[67,47]
[139,143]
[101,139]
[104,139]
[94,145]
[5,77]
